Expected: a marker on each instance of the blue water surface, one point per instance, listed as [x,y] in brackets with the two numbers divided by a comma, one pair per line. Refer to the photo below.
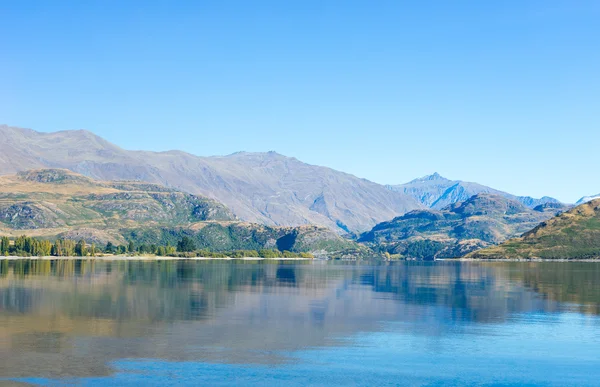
[419,324]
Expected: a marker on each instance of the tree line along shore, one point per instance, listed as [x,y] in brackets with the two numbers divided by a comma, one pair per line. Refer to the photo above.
[24,246]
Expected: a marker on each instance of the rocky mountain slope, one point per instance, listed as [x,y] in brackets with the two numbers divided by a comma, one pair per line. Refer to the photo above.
[266,188]
[482,220]
[60,203]
[574,234]
[54,198]
[437,192]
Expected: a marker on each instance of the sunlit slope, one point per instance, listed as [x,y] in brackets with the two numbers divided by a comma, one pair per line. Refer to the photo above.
[574,234]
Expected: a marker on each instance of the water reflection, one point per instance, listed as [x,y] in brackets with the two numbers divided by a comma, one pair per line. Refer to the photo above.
[73,318]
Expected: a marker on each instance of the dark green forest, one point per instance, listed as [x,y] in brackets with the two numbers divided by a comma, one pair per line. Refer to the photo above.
[24,246]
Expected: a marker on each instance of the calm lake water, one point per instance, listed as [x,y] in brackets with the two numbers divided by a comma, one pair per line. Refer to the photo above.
[97,323]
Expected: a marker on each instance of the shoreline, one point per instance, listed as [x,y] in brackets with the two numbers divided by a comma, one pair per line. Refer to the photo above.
[150,258]
[163,258]
[521,260]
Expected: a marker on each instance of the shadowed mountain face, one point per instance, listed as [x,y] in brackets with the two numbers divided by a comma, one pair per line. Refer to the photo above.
[266,188]
[482,220]
[437,192]
[574,234]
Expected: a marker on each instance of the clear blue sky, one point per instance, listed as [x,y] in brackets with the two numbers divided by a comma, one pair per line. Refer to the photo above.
[505,93]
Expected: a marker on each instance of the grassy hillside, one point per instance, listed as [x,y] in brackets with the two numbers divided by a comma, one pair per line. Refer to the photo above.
[574,234]
[56,203]
[481,221]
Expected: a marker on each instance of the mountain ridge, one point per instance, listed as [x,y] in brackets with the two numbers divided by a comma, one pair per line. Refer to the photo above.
[481,221]
[267,188]
[436,192]
[260,187]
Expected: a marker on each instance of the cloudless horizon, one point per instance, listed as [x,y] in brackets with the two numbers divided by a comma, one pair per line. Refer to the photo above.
[500,93]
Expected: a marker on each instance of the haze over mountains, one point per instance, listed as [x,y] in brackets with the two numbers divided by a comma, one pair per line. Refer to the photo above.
[437,192]
[266,188]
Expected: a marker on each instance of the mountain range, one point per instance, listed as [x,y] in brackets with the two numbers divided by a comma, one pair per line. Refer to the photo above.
[57,203]
[437,192]
[264,188]
[74,184]
[480,221]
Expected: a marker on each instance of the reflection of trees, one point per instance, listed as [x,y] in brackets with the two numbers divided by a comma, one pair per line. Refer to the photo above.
[152,290]
[572,282]
[286,274]
[181,309]
[470,291]
[192,290]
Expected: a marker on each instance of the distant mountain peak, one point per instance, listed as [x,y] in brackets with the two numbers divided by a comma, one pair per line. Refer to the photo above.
[433,177]
[437,192]
[256,154]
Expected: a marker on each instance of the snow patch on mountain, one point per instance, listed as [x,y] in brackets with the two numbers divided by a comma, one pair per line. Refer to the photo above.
[586,199]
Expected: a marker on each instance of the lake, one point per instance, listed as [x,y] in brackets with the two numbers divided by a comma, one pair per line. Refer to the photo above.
[157,323]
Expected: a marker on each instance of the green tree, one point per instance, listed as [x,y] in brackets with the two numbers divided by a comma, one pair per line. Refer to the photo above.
[185,245]
[57,250]
[110,248]
[170,250]
[28,245]
[44,248]
[424,249]
[131,248]
[4,245]
[80,248]
[269,254]
[20,243]
[68,248]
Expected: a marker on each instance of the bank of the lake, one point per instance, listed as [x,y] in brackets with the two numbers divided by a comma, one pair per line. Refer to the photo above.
[522,260]
[152,258]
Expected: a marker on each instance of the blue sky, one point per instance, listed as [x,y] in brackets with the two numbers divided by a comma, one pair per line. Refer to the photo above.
[505,93]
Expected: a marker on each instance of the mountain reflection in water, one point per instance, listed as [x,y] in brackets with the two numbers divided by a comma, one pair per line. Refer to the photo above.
[76,318]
